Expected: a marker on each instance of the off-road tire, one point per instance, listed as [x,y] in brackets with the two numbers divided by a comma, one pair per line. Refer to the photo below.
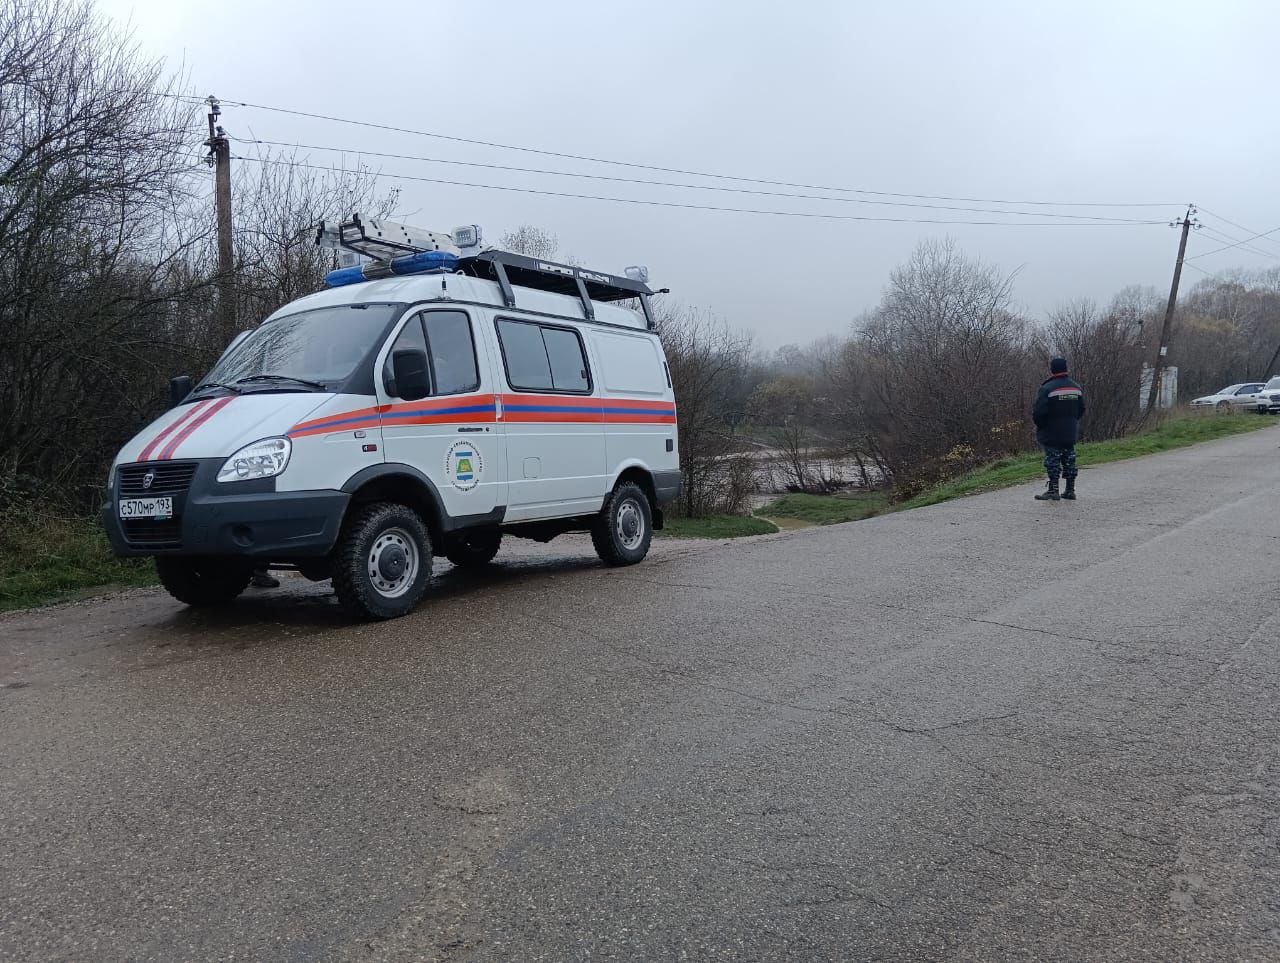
[473,549]
[203,582]
[613,542]
[368,531]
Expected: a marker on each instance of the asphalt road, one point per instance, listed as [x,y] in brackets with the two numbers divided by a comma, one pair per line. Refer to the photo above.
[991,730]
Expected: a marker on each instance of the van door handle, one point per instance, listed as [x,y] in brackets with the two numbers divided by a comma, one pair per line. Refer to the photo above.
[471,429]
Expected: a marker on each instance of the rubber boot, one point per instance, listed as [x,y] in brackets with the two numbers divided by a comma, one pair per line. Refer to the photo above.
[263,579]
[1050,493]
[1070,493]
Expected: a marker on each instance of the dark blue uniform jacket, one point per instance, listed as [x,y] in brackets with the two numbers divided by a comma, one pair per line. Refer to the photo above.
[1057,412]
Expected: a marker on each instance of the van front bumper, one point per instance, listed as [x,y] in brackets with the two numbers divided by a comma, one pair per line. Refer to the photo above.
[239,518]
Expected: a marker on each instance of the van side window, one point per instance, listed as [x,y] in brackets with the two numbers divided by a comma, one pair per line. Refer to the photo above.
[410,336]
[452,353]
[568,364]
[540,357]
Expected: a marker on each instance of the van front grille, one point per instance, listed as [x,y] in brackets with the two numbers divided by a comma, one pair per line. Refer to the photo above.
[167,478]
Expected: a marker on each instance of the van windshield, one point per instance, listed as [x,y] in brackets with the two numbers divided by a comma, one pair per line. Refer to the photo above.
[308,351]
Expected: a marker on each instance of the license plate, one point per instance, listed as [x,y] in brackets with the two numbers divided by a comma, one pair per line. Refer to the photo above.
[153,508]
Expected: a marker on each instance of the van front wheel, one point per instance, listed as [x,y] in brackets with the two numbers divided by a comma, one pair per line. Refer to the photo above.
[624,528]
[203,582]
[383,561]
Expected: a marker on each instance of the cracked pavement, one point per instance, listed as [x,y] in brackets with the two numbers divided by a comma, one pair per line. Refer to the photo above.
[991,729]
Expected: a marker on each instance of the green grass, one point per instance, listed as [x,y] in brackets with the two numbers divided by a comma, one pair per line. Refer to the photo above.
[826,509]
[717,526]
[46,557]
[1176,433]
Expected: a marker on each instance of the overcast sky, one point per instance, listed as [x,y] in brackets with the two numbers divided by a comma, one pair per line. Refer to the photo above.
[1121,102]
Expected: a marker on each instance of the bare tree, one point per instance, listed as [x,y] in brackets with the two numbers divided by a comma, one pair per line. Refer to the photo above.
[531,241]
[278,203]
[706,360]
[944,364]
[1228,330]
[93,154]
[1105,352]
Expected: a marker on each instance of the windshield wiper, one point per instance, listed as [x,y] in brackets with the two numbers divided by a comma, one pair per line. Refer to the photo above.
[216,384]
[279,377]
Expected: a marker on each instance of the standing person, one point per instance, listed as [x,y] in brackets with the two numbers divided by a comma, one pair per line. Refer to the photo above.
[1057,412]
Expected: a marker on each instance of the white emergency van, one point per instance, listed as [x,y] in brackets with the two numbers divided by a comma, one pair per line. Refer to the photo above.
[432,400]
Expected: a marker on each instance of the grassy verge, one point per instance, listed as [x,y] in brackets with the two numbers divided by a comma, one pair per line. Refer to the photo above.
[826,509]
[1176,433]
[1014,470]
[45,557]
[718,526]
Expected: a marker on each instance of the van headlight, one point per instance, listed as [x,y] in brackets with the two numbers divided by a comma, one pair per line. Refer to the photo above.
[262,459]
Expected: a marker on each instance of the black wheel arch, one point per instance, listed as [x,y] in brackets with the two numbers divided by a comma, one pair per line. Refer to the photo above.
[640,476]
[394,482]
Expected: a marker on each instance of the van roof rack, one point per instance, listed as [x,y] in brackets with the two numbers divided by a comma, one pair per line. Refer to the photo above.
[517,269]
[395,248]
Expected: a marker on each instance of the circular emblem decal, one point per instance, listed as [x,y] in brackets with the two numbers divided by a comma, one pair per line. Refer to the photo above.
[463,465]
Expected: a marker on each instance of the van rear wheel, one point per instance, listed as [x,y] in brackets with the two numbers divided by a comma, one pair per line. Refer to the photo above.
[203,582]
[624,528]
[474,549]
[383,561]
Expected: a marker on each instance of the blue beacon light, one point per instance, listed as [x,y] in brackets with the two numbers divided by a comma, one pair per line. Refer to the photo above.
[424,262]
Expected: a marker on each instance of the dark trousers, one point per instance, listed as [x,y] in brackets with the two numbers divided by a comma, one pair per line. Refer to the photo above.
[1060,461]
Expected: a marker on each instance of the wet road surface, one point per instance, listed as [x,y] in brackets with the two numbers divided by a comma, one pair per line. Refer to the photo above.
[993,729]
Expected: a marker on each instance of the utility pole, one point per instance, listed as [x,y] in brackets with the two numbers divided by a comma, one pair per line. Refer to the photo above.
[219,158]
[1186,223]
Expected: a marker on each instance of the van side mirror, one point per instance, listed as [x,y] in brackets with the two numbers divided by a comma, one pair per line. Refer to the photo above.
[179,388]
[412,378]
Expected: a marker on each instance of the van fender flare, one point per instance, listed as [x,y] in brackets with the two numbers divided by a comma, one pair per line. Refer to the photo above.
[630,465]
[662,486]
[392,471]
[438,521]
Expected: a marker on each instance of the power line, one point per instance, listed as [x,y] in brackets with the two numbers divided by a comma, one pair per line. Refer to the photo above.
[666,170]
[1222,237]
[1230,242]
[1240,243]
[696,187]
[1247,230]
[707,207]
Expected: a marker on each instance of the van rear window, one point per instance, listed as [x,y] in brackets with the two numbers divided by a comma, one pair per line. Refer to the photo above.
[542,357]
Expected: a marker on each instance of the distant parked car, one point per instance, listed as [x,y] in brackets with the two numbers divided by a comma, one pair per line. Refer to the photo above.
[1232,396]
[1268,399]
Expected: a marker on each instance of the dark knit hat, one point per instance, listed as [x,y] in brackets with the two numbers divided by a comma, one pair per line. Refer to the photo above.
[1057,365]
